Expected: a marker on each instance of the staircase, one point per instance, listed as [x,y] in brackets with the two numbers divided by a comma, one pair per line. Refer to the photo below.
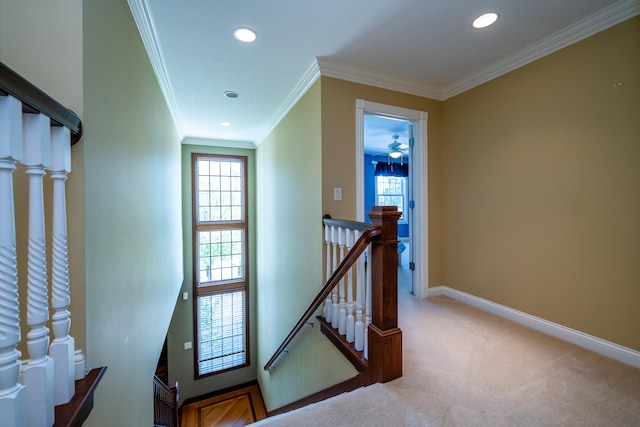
[359,301]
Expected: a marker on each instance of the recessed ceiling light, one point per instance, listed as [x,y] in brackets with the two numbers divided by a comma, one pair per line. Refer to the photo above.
[244,35]
[225,124]
[485,20]
[231,94]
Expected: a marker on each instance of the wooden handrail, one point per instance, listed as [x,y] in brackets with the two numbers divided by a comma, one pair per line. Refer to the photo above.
[74,413]
[369,234]
[35,100]
[351,225]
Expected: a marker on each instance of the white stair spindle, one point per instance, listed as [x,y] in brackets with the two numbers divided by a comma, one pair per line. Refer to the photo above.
[334,293]
[13,396]
[327,241]
[367,296]
[351,234]
[63,346]
[38,374]
[359,326]
[342,318]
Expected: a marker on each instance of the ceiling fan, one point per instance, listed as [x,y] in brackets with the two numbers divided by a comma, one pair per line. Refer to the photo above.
[396,149]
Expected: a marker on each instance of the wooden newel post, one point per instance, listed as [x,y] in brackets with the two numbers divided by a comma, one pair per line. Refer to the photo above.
[385,338]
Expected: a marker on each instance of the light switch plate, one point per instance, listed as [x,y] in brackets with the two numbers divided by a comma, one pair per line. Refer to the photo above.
[337,194]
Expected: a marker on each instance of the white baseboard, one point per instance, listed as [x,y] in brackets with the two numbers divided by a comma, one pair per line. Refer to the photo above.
[598,345]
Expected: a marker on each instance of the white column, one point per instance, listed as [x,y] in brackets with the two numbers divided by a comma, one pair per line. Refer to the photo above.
[359,326]
[351,234]
[342,318]
[63,347]
[327,240]
[334,293]
[13,396]
[38,374]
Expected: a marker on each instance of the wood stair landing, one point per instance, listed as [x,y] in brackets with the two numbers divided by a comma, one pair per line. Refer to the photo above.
[234,408]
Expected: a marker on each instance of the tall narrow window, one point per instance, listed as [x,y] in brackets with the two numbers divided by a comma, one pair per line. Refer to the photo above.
[220,262]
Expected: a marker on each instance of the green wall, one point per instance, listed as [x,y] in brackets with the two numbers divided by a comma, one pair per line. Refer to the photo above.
[132,209]
[123,193]
[181,367]
[541,184]
[290,257]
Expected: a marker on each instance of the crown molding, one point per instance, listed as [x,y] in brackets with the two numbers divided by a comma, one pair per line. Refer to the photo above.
[593,24]
[359,75]
[195,140]
[146,27]
[304,84]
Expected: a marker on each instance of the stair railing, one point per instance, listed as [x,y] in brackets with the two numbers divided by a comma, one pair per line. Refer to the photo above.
[165,403]
[37,132]
[369,320]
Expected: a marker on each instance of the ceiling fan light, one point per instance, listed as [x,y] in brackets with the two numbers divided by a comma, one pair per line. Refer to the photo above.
[395,154]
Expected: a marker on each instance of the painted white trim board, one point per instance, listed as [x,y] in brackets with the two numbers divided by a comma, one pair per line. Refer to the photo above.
[598,345]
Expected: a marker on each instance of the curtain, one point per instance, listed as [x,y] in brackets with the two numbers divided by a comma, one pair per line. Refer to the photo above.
[391,169]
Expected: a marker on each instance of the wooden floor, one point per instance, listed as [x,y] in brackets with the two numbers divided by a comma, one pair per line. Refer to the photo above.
[233,409]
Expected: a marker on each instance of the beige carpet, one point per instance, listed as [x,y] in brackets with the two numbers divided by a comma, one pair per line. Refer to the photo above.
[465,367]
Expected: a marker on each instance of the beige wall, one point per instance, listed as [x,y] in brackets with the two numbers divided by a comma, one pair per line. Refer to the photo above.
[181,367]
[541,206]
[339,154]
[289,257]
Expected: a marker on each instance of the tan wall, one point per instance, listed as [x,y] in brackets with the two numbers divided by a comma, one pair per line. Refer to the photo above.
[181,361]
[541,210]
[338,153]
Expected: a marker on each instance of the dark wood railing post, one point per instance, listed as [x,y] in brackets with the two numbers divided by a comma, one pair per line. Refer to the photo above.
[385,338]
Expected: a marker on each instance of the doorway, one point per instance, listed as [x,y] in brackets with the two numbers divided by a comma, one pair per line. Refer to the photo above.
[383,123]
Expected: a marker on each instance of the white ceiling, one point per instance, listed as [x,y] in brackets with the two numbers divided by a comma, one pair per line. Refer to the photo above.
[423,47]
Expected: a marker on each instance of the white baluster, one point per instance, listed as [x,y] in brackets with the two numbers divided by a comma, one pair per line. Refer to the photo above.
[38,374]
[63,346]
[334,294]
[327,241]
[367,298]
[342,319]
[359,326]
[350,320]
[13,396]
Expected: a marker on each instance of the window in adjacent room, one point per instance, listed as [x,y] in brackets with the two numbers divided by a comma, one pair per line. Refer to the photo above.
[392,191]
[220,262]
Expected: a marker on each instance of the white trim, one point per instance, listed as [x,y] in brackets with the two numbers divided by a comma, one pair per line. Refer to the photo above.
[146,27]
[359,75]
[593,24]
[421,195]
[192,140]
[606,348]
[600,21]
[308,79]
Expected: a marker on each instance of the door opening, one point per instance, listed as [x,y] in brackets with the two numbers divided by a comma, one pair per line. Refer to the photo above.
[392,140]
